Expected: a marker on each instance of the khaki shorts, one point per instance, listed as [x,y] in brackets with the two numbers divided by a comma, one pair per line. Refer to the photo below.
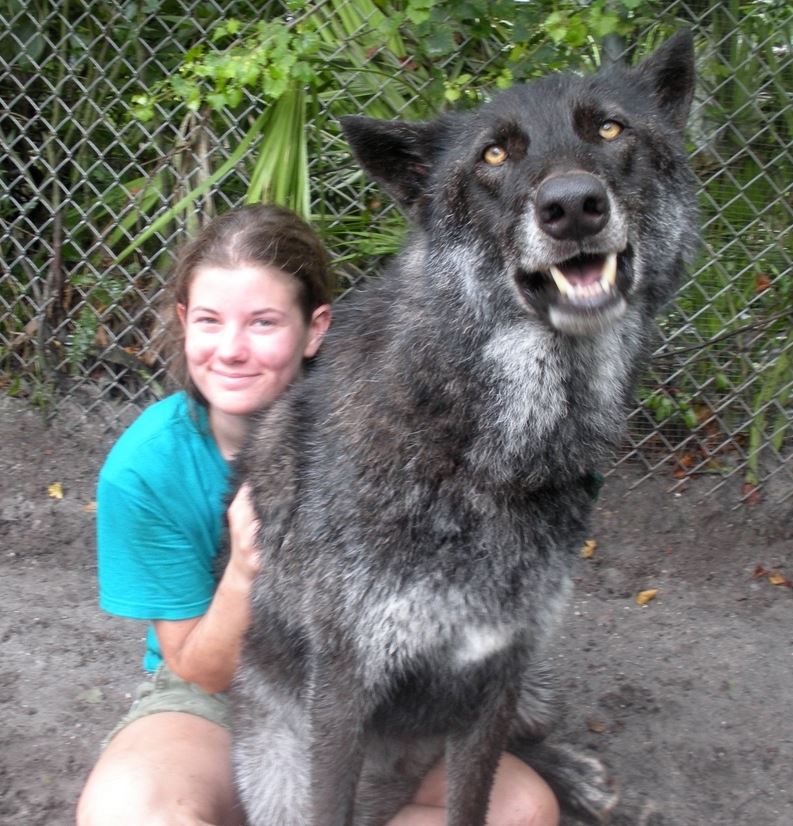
[167,692]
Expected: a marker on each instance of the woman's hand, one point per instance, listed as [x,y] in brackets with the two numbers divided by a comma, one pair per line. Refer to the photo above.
[205,650]
[244,559]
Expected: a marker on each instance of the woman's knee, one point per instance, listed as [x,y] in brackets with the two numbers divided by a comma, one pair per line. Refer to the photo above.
[521,797]
[163,770]
[117,792]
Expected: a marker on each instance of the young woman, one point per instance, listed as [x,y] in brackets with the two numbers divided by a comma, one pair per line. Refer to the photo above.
[250,303]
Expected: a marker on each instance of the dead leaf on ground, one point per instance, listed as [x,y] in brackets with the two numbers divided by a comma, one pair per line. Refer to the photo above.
[774,577]
[89,507]
[751,494]
[55,491]
[91,695]
[643,597]
[596,725]
[590,546]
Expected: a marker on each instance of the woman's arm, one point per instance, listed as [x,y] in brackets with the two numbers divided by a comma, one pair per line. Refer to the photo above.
[205,650]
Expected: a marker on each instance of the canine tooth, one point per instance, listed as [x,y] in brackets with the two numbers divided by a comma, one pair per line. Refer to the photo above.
[610,270]
[561,282]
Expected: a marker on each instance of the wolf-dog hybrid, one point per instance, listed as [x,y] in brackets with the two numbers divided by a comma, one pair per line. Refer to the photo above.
[424,489]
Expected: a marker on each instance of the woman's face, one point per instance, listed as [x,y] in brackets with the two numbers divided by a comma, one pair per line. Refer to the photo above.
[246,336]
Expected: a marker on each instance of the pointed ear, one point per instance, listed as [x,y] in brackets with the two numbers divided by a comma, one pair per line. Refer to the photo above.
[670,73]
[396,154]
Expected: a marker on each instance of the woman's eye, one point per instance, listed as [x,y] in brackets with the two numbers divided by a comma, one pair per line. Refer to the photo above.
[495,155]
[610,129]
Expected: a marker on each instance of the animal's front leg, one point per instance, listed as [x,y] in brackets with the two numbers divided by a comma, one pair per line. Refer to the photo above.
[472,756]
[337,711]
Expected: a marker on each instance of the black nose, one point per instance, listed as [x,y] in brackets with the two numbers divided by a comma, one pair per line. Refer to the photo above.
[572,206]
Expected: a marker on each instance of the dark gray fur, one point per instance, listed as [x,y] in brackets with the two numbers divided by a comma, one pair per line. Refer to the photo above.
[424,490]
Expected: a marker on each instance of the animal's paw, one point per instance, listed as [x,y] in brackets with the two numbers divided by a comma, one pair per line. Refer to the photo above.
[580,781]
[582,784]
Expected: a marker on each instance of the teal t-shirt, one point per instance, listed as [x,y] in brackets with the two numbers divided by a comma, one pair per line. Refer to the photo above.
[161,503]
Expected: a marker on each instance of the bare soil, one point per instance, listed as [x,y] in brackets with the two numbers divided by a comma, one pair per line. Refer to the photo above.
[689,698]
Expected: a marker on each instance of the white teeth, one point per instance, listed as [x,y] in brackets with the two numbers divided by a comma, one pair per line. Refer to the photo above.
[561,282]
[608,278]
[610,270]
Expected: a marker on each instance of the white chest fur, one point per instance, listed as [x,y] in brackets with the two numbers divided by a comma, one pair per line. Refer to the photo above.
[475,643]
[419,623]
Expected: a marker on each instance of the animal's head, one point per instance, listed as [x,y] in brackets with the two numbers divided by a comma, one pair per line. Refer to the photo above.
[567,199]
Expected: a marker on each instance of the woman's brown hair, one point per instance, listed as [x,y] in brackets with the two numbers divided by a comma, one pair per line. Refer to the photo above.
[264,235]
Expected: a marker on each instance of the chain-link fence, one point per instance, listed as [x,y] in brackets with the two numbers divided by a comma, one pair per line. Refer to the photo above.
[124,125]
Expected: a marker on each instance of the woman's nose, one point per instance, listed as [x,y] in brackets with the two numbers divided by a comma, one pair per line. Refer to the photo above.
[233,344]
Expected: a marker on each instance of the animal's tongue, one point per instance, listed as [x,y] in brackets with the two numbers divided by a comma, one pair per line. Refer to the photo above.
[582,271]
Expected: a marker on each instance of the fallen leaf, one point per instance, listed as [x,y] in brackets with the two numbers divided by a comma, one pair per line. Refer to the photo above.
[596,725]
[761,282]
[55,491]
[89,507]
[91,695]
[779,579]
[643,597]
[589,548]
[750,494]
[759,571]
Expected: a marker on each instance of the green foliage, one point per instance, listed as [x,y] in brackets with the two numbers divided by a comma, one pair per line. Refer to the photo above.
[575,26]
[264,57]
[285,74]
[409,62]
[667,406]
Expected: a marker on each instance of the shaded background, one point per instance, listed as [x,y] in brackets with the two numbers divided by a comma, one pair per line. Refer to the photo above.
[123,126]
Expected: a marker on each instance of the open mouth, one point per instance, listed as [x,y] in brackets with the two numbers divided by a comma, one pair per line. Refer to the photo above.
[581,295]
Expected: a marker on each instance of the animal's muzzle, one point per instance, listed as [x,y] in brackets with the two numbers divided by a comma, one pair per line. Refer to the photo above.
[572,206]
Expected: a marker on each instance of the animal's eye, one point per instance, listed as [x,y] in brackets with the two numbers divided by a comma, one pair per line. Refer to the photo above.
[610,129]
[495,155]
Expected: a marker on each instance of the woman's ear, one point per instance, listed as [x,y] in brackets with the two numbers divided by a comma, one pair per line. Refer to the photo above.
[181,314]
[317,327]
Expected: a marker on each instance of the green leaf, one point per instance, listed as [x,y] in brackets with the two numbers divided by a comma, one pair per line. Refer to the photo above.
[273,88]
[143,113]
[440,42]
[233,97]
[690,418]
[418,11]
[504,80]
[557,24]
[217,100]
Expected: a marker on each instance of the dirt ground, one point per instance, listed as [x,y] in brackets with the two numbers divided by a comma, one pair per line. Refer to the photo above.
[689,698]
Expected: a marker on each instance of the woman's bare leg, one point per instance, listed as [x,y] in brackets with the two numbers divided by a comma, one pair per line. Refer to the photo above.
[166,769]
[520,797]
